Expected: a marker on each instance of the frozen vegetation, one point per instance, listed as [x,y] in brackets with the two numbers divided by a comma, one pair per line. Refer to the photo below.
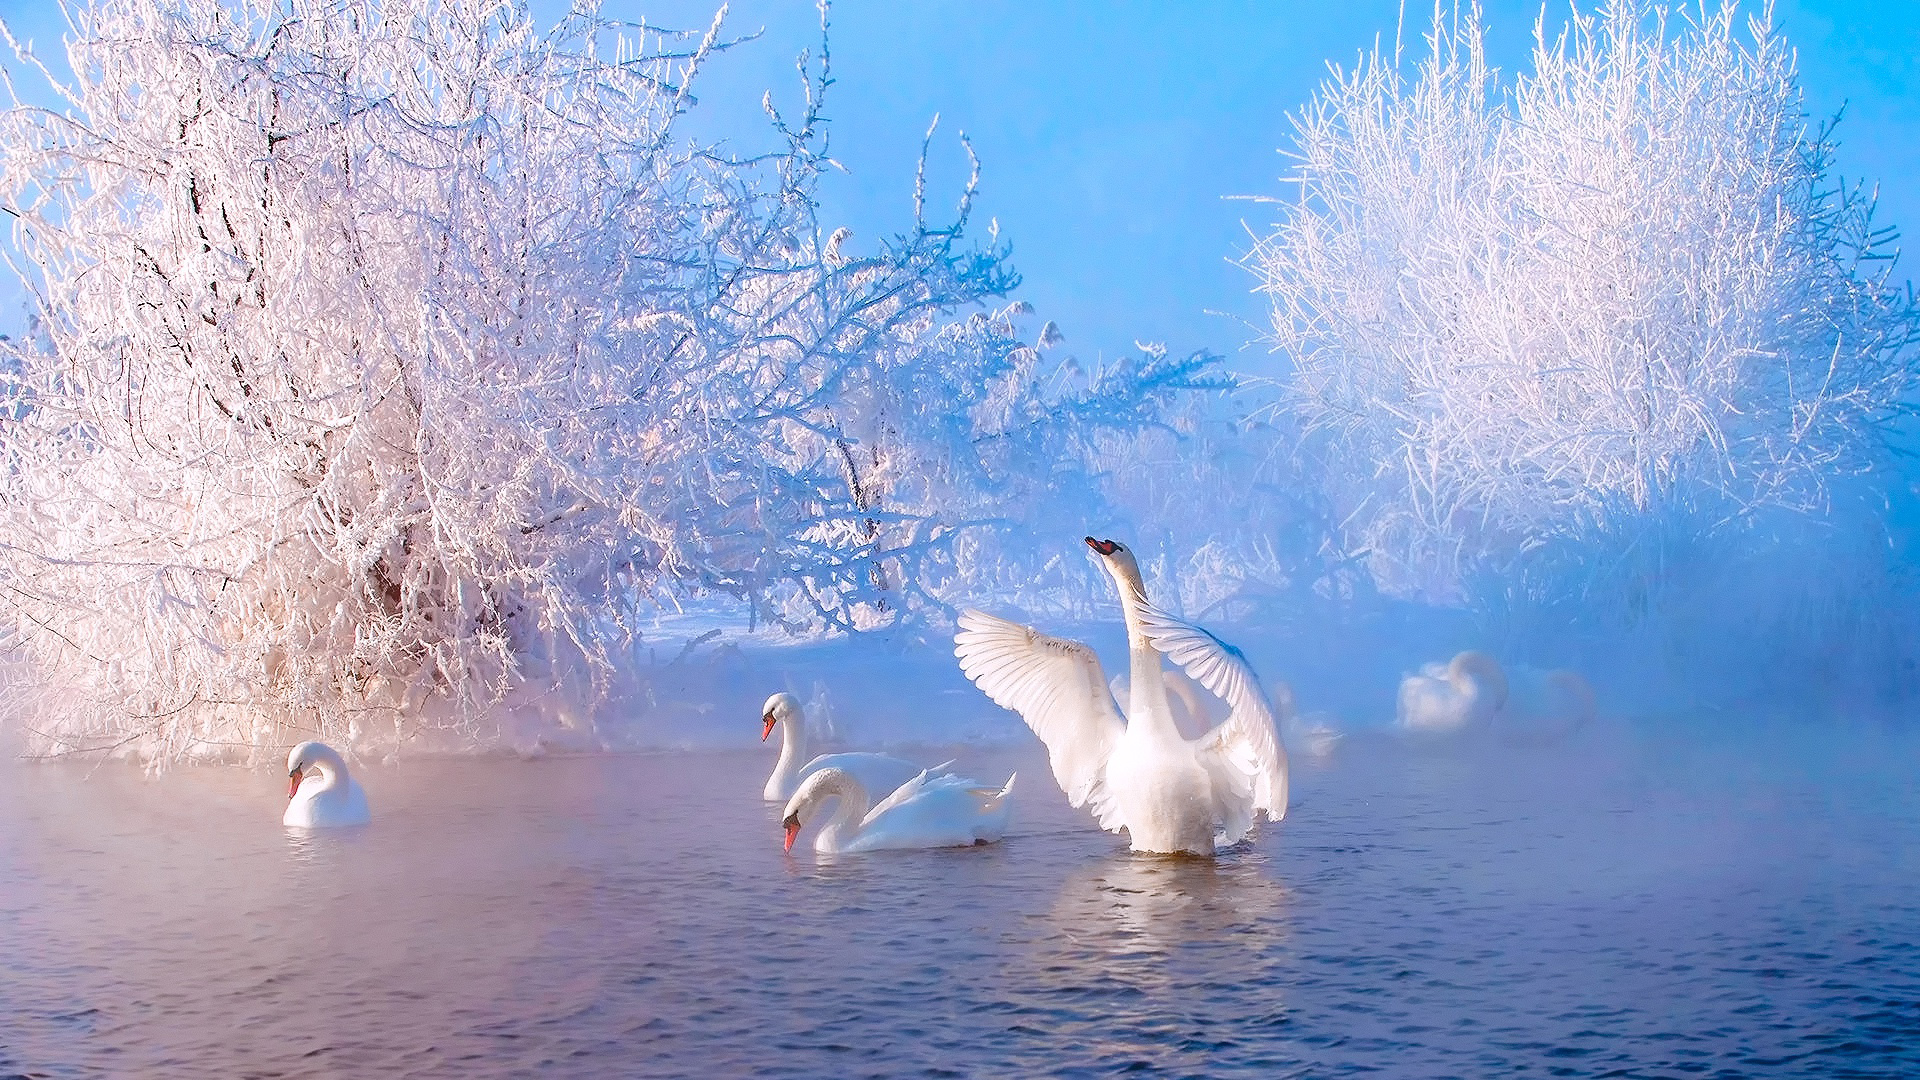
[1604,347]
[393,360]
[397,365]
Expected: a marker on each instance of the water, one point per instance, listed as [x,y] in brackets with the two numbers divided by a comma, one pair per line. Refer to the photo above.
[1629,907]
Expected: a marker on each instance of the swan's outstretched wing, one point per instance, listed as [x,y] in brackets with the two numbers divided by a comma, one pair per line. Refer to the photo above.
[1057,687]
[1248,738]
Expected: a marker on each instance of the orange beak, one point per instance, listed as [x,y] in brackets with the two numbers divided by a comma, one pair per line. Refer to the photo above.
[768,730]
[293,784]
[793,830]
[1104,547]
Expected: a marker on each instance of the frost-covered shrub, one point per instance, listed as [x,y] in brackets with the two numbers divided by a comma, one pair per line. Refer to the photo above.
[390,354]
[1624,300]
[996,455]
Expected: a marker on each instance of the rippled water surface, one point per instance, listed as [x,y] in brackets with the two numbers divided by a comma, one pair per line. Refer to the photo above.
[1628,907]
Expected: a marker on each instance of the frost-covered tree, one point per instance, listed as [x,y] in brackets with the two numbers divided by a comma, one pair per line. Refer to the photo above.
[1624,297]
[390,355]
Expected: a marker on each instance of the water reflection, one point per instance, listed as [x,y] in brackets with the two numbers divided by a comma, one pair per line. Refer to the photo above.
[1151,959]
[1134,905]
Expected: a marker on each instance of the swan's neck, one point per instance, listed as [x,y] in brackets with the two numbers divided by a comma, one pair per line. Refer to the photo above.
[845,823]
[1478,678]
[793,750]
[333,777]
[1148,714]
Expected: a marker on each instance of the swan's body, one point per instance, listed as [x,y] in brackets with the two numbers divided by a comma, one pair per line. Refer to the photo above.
[930,810]
[1474,691]
[321,793]
[1169,792]
[1448,697]
[877,772]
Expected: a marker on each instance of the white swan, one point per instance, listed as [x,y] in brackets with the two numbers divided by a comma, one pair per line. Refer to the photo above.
[1170,793]
[930,810]
[879,772]
[1448,697]
[321,794]
[1521,705]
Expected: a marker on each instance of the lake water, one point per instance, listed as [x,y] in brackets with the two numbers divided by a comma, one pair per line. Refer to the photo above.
[1630,906]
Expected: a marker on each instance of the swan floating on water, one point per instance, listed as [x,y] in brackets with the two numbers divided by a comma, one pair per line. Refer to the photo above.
[1474,691]
[930,810]
[1448,697]
[878,772]
[321,793]
[1169,792]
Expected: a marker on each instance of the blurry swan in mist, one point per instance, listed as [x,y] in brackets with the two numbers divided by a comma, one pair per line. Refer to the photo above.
[930,810]
[321,794]
[1171,793]
[1448,697]
[1474,691]
[878,772]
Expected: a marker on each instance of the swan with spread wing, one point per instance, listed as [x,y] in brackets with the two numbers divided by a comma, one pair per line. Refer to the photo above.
[1169,792]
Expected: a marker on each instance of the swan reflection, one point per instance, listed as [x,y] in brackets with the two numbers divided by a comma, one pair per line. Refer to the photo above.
[1142,955]
[1146,920]
[1146,905]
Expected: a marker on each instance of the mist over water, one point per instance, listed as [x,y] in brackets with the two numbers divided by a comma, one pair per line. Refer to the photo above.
[1681,901]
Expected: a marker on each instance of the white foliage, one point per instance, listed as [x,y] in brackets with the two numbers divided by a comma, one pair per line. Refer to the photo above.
[391,352]
[1628,290]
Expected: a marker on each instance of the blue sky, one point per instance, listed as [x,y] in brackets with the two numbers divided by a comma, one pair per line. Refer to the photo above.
[1113,134]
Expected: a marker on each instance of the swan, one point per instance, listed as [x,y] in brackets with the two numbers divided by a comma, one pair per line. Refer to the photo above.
[321,794]
[930,810]
[1448,697]
[879,772]
[1170,793]
[1521,705]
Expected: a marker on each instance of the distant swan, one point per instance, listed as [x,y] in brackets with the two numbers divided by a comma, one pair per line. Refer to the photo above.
[321,794]
[1170,793]
[1448,697]
[1521,705]
[927,811]
[879,772]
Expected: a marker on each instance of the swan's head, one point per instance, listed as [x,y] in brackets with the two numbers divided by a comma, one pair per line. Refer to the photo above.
[814,790]
[1119,561]
[781,706]
[305,757]
[1484,672]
